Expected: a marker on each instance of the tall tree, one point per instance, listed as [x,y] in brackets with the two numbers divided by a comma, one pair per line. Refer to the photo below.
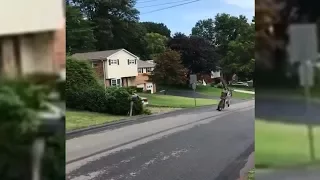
[159,28]
[205,29]
[240,56]
[114,23]
[198,55]
[169,69]
[156,44]
[230,34]
[79,36]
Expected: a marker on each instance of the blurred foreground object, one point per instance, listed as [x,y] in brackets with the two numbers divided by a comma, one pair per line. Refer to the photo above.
[32,53]
[27,36]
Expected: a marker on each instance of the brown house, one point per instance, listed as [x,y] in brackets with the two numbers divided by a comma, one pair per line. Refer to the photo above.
[144,70]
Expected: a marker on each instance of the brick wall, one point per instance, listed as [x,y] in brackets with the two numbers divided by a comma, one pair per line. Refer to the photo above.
[99,69]
[59,46]
[141,78]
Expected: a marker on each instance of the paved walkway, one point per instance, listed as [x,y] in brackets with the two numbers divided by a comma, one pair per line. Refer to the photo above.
[244,91]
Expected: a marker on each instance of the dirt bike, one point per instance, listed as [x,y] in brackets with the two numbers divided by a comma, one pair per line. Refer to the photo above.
[223,102]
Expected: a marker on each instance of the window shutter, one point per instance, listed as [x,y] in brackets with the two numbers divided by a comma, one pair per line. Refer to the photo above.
[135,61]
[128,61]
[118,61]
[109,61]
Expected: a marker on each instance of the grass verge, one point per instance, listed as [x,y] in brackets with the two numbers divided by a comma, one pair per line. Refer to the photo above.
[78,119]
[281,145]
[251,175]
[212,91]
[158,100]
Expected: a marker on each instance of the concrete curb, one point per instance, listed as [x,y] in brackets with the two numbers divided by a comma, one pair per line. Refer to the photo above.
[127,120]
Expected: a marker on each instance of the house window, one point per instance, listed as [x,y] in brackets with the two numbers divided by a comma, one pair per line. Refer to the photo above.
[140,70]
[149,69]
[94,64]
[113,61]
[116,82]
[131,61]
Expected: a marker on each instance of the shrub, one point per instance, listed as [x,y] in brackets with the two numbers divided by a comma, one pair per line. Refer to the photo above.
[148,91]
[147,111]
[139,90]
[137,107]
[88,99]
[19,105]
[119,99]
[79,75]
[131,89]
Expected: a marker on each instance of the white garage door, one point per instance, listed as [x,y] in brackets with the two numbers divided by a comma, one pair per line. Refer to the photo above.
[149,86]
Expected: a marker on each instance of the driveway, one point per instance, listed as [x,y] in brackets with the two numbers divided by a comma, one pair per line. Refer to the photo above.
[204,145]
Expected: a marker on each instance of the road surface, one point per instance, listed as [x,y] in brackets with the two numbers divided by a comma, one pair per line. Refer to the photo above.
[287,110]
[204,145]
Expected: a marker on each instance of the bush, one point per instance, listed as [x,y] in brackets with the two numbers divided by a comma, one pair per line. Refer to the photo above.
[88,99]
[147,111]
[139,90]
[119,99]
[148,91]
[80,75]
[19,105]
[131,89]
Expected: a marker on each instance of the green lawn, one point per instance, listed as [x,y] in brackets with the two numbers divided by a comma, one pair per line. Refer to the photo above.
[175,101]
[279,144]
[77,119]
[212,91]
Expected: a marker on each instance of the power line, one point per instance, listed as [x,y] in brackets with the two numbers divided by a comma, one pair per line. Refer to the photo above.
[163,4]
[146,1]
[171,7]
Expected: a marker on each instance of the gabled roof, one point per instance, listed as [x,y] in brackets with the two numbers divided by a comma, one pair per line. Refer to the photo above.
[99,55]
[145,64]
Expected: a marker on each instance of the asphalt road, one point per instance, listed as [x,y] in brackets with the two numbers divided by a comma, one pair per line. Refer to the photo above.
[204,145]
[287,110]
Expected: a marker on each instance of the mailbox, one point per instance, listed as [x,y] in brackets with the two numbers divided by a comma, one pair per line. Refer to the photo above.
[134,97]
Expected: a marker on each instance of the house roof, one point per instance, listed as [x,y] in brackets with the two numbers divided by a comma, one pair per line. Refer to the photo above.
[145,64]
[98,55]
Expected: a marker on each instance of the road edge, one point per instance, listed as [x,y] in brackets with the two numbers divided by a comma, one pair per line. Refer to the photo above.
[78,132]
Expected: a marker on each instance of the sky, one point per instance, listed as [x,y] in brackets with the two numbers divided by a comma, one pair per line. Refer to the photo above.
[183,18]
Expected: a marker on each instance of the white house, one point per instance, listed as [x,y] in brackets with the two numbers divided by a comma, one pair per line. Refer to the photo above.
[114,67]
